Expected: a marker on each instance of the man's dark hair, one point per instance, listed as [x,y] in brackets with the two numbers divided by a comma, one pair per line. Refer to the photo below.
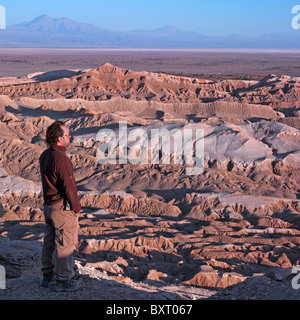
[53,132]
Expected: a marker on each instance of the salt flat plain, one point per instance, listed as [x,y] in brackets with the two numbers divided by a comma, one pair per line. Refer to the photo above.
[226,62]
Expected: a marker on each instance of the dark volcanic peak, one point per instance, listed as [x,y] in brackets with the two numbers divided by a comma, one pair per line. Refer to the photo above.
[170,30]
[45,24]
[41,20]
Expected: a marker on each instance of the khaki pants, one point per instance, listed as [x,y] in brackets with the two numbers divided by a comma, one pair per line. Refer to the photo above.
[61,237]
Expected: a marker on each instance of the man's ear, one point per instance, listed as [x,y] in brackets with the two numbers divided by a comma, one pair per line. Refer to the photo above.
[60,139]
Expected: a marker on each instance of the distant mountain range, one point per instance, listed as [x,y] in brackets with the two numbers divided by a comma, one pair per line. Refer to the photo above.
[45,32]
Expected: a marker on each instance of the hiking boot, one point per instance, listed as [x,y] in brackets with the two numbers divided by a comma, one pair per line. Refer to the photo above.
[48,280]
[67,286]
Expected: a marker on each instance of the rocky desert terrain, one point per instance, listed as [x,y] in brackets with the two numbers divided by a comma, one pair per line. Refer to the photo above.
[150,231]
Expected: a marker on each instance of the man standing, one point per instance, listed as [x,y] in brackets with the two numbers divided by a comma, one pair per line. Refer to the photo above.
[61,211]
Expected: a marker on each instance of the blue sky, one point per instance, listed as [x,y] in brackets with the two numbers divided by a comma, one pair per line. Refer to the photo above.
[209,17]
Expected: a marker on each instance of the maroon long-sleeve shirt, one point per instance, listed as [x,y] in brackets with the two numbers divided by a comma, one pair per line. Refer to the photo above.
[58,178]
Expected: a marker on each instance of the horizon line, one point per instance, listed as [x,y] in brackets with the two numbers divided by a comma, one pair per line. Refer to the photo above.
[274,50]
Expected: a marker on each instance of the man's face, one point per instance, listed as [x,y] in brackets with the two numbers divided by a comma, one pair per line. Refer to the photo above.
[65,139]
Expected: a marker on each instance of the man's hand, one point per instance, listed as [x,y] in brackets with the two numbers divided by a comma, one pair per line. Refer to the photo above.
[76,214]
